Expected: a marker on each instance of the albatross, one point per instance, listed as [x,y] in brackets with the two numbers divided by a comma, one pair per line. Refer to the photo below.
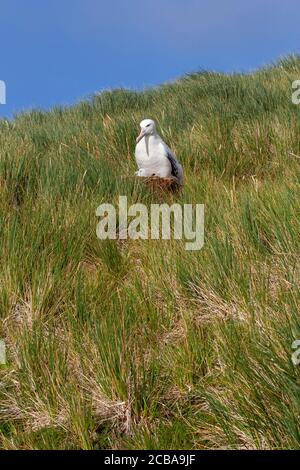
[153,156]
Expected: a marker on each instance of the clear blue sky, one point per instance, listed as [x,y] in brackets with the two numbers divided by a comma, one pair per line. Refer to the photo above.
[58,51]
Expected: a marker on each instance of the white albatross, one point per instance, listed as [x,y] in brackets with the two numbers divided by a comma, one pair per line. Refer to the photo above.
[153,156]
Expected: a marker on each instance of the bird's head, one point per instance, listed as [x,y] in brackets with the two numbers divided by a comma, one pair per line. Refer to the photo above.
[147,128]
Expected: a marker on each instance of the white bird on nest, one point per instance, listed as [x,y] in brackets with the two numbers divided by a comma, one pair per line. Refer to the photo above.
[153,156]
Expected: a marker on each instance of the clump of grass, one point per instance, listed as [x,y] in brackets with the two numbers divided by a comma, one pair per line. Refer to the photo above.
[140,344]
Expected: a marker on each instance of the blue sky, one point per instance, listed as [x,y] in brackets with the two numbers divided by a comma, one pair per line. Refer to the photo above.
[56,52]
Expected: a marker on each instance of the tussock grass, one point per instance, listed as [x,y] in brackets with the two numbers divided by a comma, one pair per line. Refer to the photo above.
[140,344]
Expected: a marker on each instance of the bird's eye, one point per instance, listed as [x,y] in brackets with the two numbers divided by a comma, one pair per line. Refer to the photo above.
[148,125]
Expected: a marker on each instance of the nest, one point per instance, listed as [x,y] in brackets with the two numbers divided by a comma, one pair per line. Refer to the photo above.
[158,185]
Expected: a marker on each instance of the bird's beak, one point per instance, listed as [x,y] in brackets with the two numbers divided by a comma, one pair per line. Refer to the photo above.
[142,134]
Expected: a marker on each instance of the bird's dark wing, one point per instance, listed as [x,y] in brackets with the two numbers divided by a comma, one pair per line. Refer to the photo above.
[174,165]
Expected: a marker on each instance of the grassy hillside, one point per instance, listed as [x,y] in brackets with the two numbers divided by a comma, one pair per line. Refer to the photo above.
[141,344]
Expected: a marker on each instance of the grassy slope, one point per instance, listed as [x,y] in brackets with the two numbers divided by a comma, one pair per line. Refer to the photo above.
[142,344]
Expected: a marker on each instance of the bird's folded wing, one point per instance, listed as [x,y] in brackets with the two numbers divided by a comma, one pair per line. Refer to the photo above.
[174,164]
